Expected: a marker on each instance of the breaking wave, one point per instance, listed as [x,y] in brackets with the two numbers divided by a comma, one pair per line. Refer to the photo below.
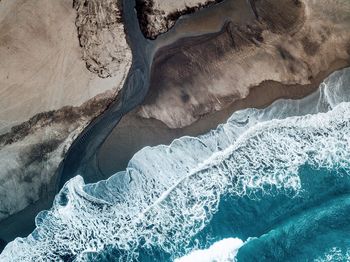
[221,251]
[251,178]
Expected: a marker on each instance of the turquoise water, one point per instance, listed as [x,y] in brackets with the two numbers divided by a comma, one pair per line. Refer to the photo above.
[269,185]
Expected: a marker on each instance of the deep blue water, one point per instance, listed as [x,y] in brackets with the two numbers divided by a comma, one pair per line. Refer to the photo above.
[269,185]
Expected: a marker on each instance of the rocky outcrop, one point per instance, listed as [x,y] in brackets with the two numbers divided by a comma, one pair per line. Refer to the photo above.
[288,42]
[60,67]
[100,28]
[158,16]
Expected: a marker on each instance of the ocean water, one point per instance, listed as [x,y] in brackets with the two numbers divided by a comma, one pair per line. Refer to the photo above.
[268,185]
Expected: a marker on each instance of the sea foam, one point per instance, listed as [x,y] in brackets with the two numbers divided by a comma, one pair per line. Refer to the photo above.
[168,194]
[221,251]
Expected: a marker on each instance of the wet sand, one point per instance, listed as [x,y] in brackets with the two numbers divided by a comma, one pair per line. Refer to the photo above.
[133,132]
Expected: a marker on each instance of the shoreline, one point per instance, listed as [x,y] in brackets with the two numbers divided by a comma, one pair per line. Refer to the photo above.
[134,132]
[106,146]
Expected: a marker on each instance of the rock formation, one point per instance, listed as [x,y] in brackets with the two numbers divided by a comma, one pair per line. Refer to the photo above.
[60,67]
[101,36]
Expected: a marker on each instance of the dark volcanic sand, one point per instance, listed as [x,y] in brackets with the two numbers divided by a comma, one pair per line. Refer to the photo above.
[133,132]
